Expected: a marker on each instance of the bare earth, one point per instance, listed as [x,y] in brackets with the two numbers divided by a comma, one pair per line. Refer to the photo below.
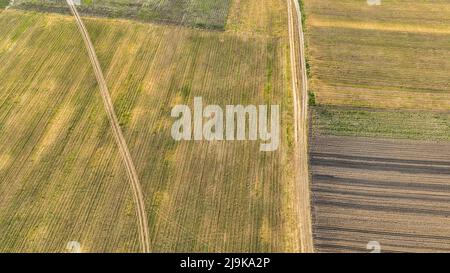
[396,192]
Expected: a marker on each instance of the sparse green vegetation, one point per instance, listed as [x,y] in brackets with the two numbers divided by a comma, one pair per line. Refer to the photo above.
[210,14]
[3,4]
[185,92]
[311,98]
[376,123]
[303,12]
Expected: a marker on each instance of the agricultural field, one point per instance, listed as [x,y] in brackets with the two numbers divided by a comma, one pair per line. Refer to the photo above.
[263,17]
[373,189]
[60,168]
[385,56]
[197,13]
[61,175]
[380,124]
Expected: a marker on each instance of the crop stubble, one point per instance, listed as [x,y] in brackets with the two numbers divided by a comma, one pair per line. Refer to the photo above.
[62,176]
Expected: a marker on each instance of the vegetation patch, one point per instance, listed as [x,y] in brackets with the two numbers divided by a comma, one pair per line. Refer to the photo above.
[266,17]
[311,98]
[211,14]
[389,124]
[356,60]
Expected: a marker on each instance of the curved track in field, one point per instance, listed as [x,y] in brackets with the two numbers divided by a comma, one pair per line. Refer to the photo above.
[118,135]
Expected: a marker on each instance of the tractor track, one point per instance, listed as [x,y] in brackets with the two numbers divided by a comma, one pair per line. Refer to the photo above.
[118,135]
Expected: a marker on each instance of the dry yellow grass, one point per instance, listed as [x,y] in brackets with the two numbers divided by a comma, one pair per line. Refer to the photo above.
[390,191]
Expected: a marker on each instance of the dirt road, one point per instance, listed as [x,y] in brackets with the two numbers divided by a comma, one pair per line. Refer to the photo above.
[118,135]
[300,95]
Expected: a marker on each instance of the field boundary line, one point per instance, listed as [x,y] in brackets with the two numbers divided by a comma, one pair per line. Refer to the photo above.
[117,131]
[300,126]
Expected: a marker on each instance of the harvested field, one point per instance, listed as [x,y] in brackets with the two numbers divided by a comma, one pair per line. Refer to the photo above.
[426,13]
[390,191]
[388,56]
[266,17]
[198,13]
[60,171]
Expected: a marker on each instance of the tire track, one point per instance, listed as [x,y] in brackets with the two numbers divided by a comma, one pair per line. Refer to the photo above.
[300,126]
[118,135]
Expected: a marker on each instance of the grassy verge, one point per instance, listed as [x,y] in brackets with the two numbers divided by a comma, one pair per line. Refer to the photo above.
[302,10]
